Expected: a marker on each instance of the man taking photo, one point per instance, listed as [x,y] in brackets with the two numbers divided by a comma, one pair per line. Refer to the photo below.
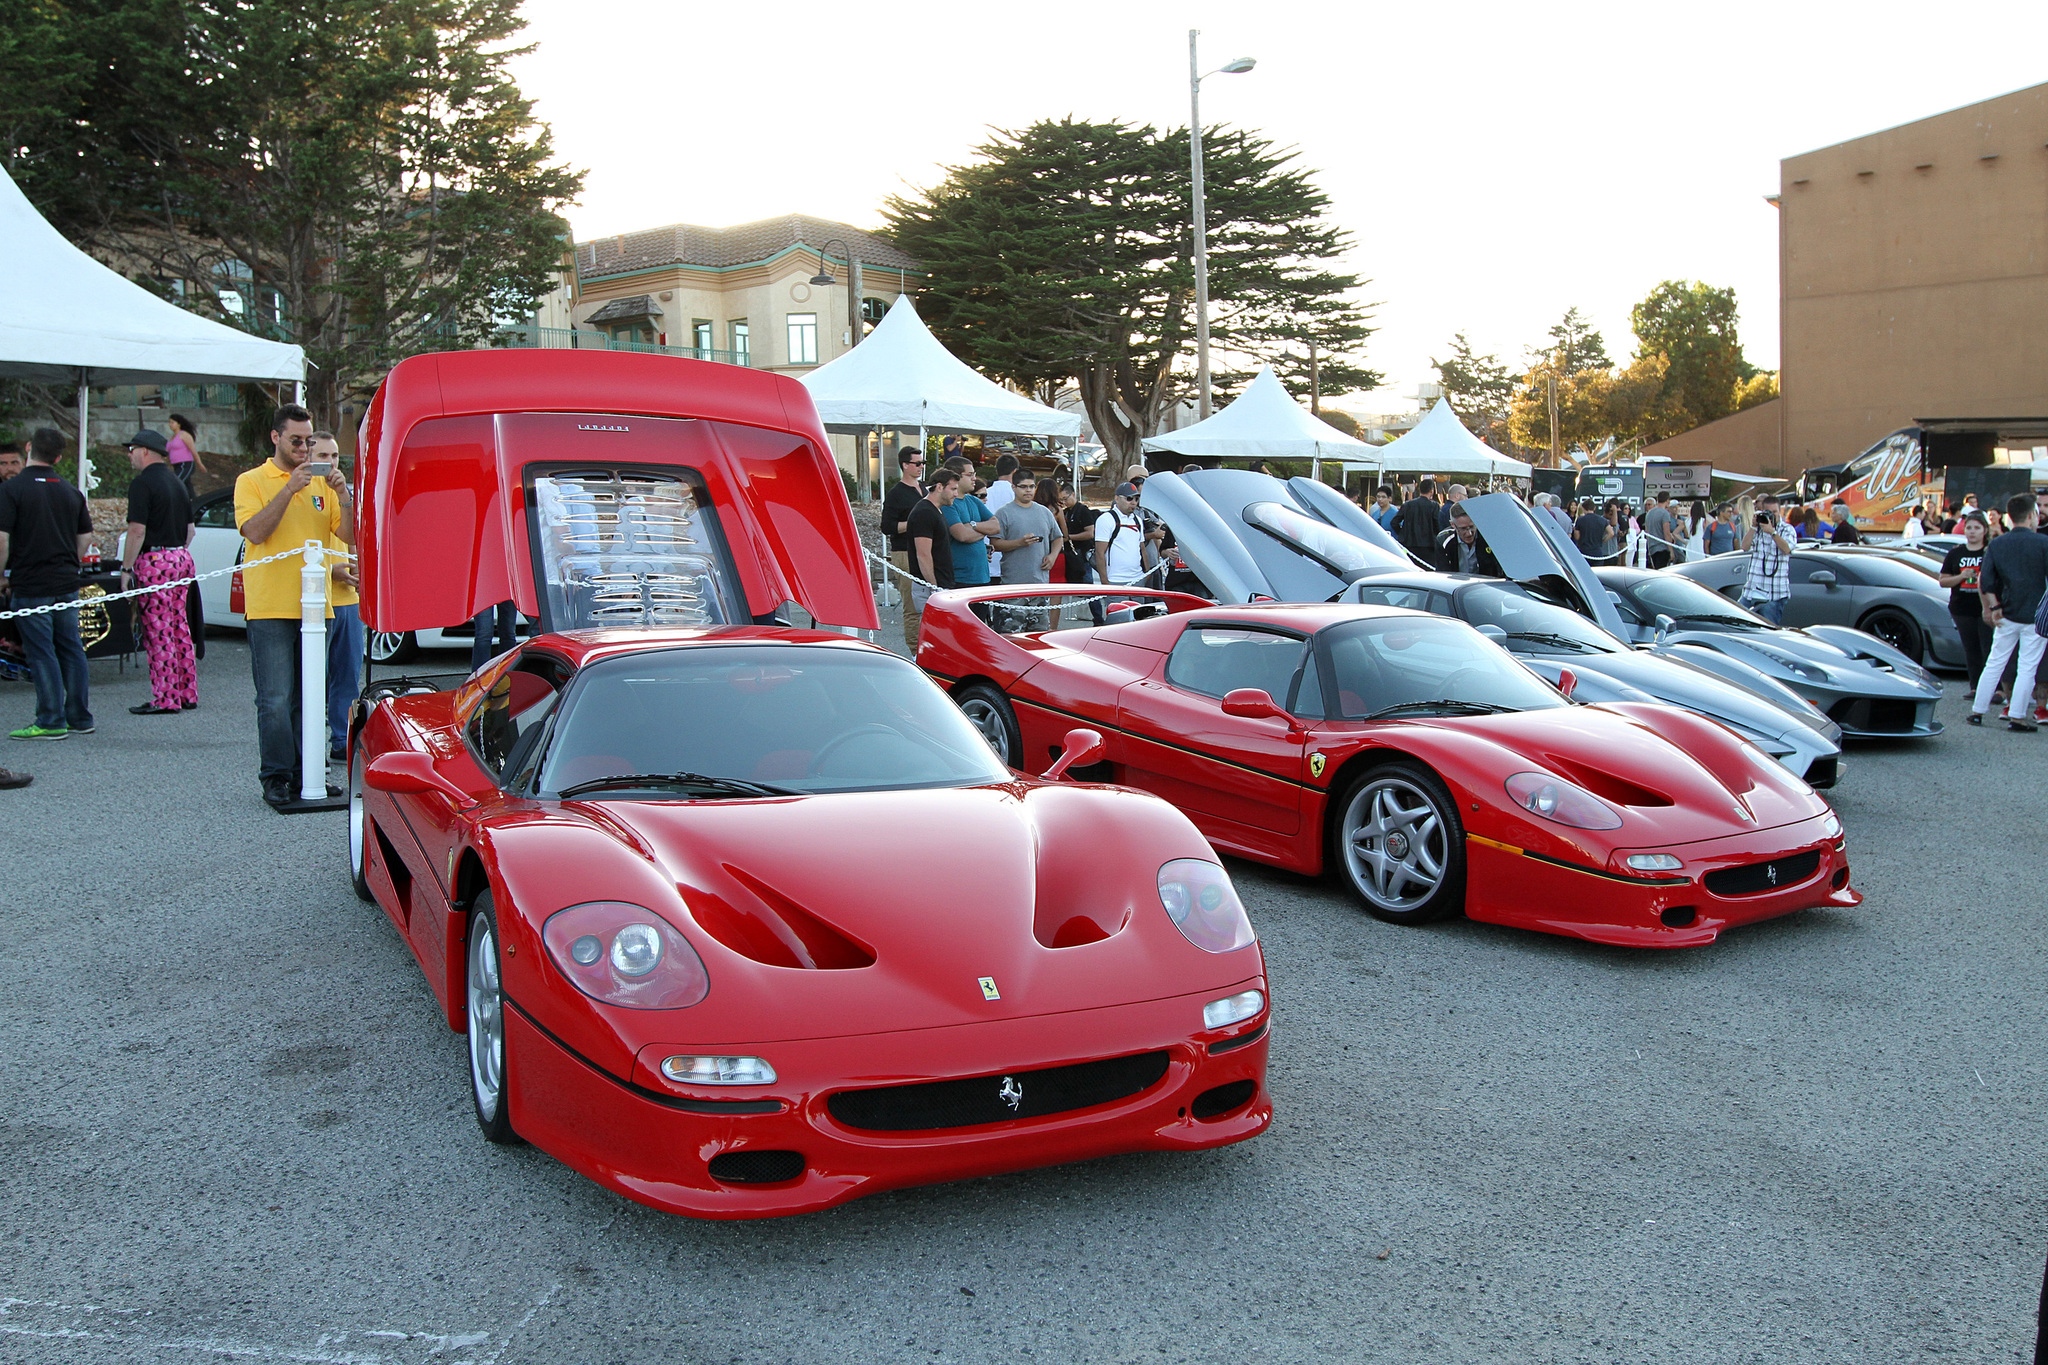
[280,505]
[1769,585]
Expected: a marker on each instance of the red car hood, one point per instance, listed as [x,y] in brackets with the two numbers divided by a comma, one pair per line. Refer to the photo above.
[837,915]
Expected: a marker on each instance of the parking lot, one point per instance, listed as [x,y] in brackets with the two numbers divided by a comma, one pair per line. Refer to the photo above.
[231,1126]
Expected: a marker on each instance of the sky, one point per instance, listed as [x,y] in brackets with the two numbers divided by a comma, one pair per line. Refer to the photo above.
[1496,164]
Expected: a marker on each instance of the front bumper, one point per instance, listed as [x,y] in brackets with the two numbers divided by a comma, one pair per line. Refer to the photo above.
[1868,717]
[636,1140]
[1510,886]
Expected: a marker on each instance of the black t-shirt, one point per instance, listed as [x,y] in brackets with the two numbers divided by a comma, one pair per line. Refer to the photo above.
[1592,529]
[43,516]
[1963,599]
[159,501]
[896,505]
[2016,569]
[929,521]
[1845,534]
[1080,521]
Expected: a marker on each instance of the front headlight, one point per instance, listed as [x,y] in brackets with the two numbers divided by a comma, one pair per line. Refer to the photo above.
[1553,798]
[1654,862]
[1232,1009]
[718,1070]
[1203,905]
[625,954]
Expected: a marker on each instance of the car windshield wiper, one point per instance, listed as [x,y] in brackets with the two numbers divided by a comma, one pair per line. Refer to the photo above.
[1717,617]
[703,782]
[1542,637]
[1449,708]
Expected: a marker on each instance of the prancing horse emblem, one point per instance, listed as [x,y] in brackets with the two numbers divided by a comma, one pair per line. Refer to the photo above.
[1315,765]
[1771,873]
[1011,1094]
[988,989]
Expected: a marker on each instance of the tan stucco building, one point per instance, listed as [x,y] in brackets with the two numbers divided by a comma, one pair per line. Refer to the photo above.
[1914,280]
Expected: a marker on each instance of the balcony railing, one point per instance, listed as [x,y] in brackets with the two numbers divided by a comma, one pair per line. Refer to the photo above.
[569,338]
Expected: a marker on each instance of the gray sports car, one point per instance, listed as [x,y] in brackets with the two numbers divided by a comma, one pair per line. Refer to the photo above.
[1249,536]
[1862,683]
[1901,605]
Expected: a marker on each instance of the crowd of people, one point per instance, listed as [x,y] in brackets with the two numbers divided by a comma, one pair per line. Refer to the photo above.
[48,546]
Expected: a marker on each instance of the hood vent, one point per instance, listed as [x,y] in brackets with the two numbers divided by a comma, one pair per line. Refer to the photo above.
[776,931]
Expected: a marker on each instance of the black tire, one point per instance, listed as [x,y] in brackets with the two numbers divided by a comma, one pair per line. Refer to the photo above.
[490,1072]
[993,715]
[358,826]
[393,647]
[1362,855]
[1898,630]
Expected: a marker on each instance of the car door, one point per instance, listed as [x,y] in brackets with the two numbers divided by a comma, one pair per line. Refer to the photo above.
[1236,773]
[1820,604]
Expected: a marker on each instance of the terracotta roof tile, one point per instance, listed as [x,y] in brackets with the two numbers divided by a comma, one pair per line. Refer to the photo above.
[686,244]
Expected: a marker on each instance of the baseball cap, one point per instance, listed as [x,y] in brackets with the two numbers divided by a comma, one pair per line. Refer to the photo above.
[149,440]
[1127,490]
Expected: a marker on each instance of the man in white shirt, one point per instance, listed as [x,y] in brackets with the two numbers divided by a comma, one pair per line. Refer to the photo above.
[1120,539]
[1916,528]
[997,496]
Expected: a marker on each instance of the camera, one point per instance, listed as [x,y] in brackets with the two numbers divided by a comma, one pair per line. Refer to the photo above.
[1764,519]
[320,469]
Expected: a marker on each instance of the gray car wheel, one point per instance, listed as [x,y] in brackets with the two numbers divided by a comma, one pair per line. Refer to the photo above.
[993,715]
[1400,844]
[1898,630]
[393,646]
[358,827]
[489,1076]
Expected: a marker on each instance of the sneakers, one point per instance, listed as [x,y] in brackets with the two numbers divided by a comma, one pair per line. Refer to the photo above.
[150,708]
[1975,718]
[10,780]
[39,732]
[2041,715]
[84,729]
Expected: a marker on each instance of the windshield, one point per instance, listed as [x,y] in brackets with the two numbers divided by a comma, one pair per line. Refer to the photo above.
[1404,661]
[1339,551]
[1684,599]
[1528,620]
[802,719]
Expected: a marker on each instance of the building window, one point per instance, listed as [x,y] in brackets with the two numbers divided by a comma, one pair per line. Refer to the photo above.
[740,347]
[873,310]
[701,337]
[803,338]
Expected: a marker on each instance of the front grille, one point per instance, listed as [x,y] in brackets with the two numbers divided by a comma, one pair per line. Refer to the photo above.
[992,1099]
[753,1166]
[1758,878]
[1823,773]
[1875,715]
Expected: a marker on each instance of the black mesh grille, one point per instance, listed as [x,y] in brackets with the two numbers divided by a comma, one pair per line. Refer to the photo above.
[1217,1102]
[1874,714]
[992,1099]
[1758,878]
[750,1167]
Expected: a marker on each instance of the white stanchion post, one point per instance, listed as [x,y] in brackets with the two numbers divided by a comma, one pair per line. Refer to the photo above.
[313,673]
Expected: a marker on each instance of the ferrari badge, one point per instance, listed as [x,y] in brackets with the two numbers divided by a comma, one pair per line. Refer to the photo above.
[988,989]
[1315,765]
[1011,1093]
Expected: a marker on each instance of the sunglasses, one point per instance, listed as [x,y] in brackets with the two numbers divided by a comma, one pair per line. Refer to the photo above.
[300,442]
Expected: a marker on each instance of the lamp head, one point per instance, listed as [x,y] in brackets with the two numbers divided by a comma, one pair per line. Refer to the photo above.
[823,277]
[1237,66]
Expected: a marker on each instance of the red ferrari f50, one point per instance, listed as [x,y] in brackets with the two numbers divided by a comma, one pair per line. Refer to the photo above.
[692,885]
[1432,770]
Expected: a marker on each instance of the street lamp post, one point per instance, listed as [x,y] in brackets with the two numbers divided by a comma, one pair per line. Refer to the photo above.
[1235,67]
[824,279]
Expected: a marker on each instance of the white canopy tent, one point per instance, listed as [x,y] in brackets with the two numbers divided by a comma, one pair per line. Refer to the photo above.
[901,377]
[65,318]
[1440,444]
[1264,422]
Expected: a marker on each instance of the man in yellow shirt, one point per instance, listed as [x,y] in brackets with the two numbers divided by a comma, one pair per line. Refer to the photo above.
[280,505]
[344,623]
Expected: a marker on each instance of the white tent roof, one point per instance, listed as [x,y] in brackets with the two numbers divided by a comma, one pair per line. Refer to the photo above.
[900,377]
[62,312]
[1439,444]
[1263,423]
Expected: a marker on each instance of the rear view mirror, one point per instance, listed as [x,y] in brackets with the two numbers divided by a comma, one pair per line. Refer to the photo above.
[1082,747]
[1665,624]
[1252,703]
[412,774]
[1495,634]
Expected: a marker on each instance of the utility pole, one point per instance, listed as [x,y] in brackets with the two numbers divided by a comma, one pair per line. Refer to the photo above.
[1315,382]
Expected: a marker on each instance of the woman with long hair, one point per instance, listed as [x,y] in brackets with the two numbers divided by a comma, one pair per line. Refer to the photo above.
[184,449]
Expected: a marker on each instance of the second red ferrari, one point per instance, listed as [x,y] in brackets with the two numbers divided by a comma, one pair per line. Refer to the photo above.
[1421,761]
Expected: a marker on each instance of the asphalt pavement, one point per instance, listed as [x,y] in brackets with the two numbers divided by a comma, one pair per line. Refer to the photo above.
[232,1127]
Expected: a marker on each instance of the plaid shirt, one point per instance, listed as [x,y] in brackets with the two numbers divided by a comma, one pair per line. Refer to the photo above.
[1770,569]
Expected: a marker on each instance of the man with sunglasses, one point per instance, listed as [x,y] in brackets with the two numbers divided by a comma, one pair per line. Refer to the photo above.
[903,495]
[280,505]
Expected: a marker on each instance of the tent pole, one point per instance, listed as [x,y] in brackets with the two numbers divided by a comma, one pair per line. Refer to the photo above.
[84,439]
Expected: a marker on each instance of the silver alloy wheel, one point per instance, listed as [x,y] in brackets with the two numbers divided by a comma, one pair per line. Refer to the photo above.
[988,718]
[390,646]
[486,1022]
[357,856]
[1394,844]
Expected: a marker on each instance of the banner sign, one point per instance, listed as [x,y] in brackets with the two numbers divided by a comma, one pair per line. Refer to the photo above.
[1597,482]
[1679,480]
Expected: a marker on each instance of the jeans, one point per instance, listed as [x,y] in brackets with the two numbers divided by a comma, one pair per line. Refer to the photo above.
[274,660]
[1771,609]
[2007,637]
[56,657]
[344,668]
[1976,633]
[480,650]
